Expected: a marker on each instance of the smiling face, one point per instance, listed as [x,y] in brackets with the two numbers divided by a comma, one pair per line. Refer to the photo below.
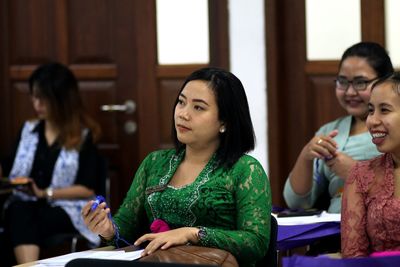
[383,120]
[196,116]
[355,102]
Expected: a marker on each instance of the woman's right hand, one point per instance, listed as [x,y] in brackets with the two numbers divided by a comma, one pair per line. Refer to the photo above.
[98,220]
[322,147]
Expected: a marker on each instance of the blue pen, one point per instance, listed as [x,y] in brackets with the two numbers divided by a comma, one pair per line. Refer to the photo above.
[100,199]
[317,162]
[97,202]
[318,178]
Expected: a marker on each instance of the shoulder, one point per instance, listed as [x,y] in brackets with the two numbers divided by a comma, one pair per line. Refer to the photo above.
[373,163]
[246,160]
[363,173]
[160,156]
[248,164]
[164,153]
[330,126]
[31,124]
[87,142]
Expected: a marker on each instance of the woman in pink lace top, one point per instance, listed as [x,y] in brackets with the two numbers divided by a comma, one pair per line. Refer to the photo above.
[371,199]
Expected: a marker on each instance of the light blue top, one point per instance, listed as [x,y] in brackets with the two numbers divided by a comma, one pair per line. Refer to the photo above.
[359,147]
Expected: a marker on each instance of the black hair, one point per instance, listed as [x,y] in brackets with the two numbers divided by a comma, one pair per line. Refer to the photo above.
[233,111]
[374,54]
[393,78]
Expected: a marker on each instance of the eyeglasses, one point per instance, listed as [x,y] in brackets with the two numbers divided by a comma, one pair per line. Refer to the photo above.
[358,84]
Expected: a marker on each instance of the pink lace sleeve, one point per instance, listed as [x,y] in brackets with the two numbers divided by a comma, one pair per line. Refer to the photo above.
[353,223]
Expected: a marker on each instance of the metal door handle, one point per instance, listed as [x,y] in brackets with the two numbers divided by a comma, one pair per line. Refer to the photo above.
[129,107]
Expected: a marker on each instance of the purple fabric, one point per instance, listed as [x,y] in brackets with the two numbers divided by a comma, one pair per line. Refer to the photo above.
[303,261]
[385,253]
[299,235]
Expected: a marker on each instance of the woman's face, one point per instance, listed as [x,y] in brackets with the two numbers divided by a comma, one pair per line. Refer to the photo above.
[196,116]
[353,101]
[383,119]
[39,104]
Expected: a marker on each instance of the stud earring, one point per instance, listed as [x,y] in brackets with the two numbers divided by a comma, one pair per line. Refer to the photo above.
[222,130]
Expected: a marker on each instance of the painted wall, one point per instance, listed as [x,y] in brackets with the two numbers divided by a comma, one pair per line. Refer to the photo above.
[248,63]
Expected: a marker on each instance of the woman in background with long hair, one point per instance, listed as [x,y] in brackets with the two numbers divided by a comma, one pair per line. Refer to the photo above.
[55,154]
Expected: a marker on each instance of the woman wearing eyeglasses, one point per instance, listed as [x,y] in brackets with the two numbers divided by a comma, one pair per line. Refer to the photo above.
[327,158]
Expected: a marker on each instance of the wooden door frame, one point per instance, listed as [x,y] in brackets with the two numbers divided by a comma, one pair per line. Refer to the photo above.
[219,33]
[6,134]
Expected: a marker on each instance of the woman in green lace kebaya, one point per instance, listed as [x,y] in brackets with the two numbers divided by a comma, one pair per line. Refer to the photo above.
[206,191]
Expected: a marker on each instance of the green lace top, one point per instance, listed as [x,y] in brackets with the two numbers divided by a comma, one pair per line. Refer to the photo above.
[233,205]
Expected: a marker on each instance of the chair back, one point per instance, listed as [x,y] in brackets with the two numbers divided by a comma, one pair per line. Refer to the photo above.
[271,257]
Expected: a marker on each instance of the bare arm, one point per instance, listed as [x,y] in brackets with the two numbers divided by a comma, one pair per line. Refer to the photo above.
[71,192]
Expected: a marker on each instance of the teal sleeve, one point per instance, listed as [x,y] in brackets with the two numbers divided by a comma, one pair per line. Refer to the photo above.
[249,242]
[320,182]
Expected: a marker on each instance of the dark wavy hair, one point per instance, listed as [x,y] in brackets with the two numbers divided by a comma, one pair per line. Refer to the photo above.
[393,78]
[374,54]
[233,110]
[57,85]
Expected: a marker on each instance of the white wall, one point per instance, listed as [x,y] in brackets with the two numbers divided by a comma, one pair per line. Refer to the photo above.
[248,63]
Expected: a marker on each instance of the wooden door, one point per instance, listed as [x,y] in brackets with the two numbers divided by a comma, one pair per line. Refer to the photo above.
[301,95]
[111,47]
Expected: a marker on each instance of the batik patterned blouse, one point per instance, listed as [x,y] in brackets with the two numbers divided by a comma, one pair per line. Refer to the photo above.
[370,210]
[233,205]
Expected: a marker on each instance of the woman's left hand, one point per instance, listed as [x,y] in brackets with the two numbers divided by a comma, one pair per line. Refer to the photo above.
[341,164]
[35,190]
[164,240]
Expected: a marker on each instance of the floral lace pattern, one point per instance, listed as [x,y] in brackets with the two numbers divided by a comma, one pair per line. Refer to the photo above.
[370,210]
[232,205]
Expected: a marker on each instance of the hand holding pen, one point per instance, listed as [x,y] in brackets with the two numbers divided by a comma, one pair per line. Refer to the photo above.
[97,218]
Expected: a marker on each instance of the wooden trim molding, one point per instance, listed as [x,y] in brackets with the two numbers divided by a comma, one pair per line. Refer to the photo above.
[321,67]
[82,72]
[373,21]
[176,71]
[219,33]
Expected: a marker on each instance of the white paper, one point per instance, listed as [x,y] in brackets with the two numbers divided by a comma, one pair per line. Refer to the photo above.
[302,220]
[90,254]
